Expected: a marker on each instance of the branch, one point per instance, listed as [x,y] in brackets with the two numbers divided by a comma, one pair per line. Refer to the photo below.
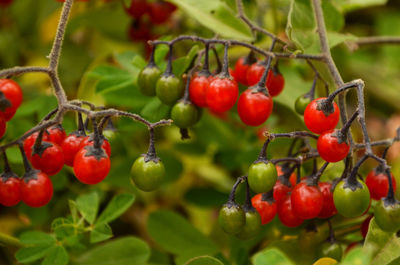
[239,43]
[252,26]
[22,70]
[373,40]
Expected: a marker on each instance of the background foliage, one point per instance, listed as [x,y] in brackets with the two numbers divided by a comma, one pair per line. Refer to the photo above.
[177,223]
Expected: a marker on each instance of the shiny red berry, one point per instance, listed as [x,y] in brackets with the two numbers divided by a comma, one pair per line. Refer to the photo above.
[30,141]
[105,144]
[328,206]
[56,134]
[307,200]
[266,208]
[275,82]
[286,214]
[49,158]
[281,190]
[254,107]
[378,184]
[139,31]
[70,146]
[10,98]
[316,120]
[331,147]
[10,189]
[255,72]
[37,189]
[198,89]
[91,165]
[222,94]
[240,71]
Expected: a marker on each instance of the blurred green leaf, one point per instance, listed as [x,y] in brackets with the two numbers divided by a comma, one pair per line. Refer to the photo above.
[155,110]
[117,206]
[376,238]
[56,256]
[182,64]
[36,238]
[63,228]
[176,235]
[350,5]
[204,260]
[357,256]
[301,26]
[217,16]
[88,205]
[205,197]
[100,233]
[25,255]
[271,256]
[122,251]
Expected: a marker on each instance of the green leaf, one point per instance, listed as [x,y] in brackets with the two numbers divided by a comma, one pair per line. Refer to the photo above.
[114,83]
[123,251]
[63,228]
[376,238]
[155,110]
[204,260]
[56,256]
[176,235]
[103,71]
[117,206]
[88,205]
[74,210]
[302,29]
[100,233]
[36,238]
[217,16]
[125,59]
[205,197]
[271,256]
[30,254]
[389,253]
[357,256]
[182,64]
[350,5]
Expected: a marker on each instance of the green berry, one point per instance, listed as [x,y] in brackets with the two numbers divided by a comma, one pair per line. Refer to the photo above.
[147,175]
[231,218]
[184,114]
[252,226]
[147,80]
[169,89]
[262,176]
[387,216]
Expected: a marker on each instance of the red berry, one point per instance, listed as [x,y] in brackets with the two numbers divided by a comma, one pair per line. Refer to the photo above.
[88,140]
[275,83]
[13,95]
[240,72]
[56,134]
[198,89]
[292,177]
[37,189]
[255,72]
[160,12]
[330,148]
[5,3]
[70,146]
[316,120]
[30,141]
[365,226]
[3,126]
[138,8]
[10,190]
[286,214]
[281,190]
[254,107]
[49,159]
[378,184]
[91,165]
[307,200]
[222,94]
[266,208]
[139,31]
[328,206]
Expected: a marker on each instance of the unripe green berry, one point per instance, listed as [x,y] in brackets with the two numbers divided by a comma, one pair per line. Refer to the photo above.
[262,176]
[184,114]
[147,80]
[147,176]
[231,218]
